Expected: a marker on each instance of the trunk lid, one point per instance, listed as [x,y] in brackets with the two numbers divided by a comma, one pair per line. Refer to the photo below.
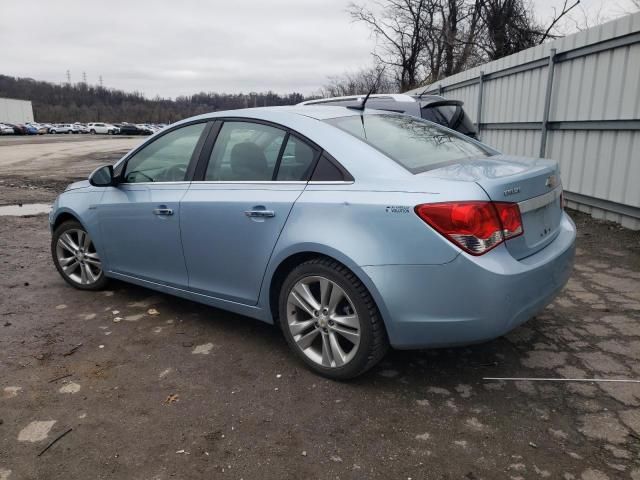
[533,183]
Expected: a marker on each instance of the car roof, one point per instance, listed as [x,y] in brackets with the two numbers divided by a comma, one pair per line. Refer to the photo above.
[291,111]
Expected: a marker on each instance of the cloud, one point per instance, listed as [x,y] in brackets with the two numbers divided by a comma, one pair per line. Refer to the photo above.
[182,47]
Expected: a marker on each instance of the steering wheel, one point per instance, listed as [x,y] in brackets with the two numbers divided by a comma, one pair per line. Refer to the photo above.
[175,173]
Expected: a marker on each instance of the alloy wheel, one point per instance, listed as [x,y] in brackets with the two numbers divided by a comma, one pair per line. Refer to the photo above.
[78,258]
[323,321]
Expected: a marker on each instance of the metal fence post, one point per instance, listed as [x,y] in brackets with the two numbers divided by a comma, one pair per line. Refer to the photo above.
[440,89]
[547,103]
[480,91]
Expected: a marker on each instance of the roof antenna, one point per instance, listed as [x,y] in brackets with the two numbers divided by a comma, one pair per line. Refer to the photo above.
[373,88]
[423,92]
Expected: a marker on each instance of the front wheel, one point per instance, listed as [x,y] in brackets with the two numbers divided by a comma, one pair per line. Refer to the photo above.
[75,257]
[330,320]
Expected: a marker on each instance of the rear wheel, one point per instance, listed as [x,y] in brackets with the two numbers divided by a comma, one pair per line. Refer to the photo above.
[330,320]
[93,132]
[75,257]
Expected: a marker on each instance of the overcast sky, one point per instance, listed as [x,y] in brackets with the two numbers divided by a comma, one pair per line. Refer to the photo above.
[180,47]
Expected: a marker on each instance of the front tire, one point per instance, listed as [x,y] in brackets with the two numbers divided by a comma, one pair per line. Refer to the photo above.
[330,320]
[76,258]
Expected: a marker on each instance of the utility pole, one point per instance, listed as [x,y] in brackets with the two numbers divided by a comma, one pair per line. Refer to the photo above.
[101,84]
[68,77]
[84,77]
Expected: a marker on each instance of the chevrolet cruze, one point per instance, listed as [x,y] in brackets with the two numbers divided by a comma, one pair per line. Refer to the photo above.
[353,230]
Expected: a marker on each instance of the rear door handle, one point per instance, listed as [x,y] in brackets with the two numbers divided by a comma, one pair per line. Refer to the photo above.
[260,213]
[163,211]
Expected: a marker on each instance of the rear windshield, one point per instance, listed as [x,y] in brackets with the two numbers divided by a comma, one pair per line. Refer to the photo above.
[414,143]
[452,116]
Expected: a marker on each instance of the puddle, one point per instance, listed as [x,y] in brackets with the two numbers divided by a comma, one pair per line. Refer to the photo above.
[25,209]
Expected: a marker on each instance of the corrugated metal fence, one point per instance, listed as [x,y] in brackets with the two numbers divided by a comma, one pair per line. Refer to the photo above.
[577,100]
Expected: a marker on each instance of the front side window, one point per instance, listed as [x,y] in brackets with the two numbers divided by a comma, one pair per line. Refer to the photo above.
[167,158]
[245,152]
[414,143]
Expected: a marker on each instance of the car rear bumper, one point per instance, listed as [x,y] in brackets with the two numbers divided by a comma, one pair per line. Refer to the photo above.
[470,299]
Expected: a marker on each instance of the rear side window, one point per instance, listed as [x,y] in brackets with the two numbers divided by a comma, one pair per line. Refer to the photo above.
[245,152]
[413,143]
[297,160]
[328,171]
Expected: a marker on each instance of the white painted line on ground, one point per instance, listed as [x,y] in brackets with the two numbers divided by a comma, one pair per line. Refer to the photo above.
[519,379]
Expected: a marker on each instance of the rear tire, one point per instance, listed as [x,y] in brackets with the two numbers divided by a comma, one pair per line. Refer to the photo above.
[76,258]
[330,320]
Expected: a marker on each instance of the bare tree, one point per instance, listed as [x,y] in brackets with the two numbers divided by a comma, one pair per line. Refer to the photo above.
[398,28]
[357,83]
[425,40]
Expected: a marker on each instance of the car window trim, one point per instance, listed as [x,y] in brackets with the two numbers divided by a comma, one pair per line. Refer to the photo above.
[192,161]
[276,167]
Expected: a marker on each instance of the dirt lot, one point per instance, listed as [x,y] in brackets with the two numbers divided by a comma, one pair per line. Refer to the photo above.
[155,387]
[35,169]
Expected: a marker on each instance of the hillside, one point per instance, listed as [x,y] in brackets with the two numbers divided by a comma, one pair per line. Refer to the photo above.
[84,103]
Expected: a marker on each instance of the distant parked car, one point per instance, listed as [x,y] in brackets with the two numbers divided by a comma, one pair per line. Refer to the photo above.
[130,129]
[102,128]
[145,129]
[61,128]
[40,129]
[445,112]
[80,128]
[31,130]
[6,129]
[18,128]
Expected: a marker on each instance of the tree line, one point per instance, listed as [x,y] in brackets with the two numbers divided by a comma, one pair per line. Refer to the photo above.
[89,103]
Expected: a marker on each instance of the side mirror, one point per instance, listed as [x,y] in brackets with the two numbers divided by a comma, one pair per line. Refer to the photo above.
[102,177]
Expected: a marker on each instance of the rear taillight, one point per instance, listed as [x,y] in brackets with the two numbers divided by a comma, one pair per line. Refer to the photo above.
[476,227]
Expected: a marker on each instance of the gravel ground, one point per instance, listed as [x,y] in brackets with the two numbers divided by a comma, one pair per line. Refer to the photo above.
[155,387]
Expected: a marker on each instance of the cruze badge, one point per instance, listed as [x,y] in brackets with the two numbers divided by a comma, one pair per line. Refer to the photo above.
[552,181]
[511,191]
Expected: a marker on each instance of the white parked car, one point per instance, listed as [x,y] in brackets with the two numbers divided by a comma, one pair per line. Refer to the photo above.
[79,128]
[61,128]
[102,128]
[6,129]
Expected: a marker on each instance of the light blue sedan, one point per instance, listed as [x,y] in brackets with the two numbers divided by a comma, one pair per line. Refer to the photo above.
[353,230]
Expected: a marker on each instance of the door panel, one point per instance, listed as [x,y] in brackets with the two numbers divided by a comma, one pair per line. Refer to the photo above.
[226,248]
[140,218]
[141,227]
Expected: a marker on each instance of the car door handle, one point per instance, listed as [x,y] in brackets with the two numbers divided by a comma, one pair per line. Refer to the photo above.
[163,211]
[260,213]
